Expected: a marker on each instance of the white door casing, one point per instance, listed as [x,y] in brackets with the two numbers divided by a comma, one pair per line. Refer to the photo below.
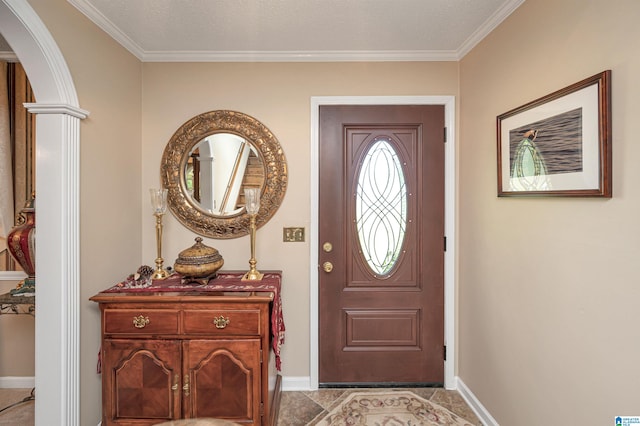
[449,258]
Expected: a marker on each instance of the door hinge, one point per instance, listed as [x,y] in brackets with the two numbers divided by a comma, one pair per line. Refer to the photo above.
[262,409]
[445,135]
[261,361]
[445,243]
[444,352]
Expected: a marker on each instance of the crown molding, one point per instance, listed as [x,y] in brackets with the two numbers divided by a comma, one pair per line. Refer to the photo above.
[95,16]
[302,56]
[489,25]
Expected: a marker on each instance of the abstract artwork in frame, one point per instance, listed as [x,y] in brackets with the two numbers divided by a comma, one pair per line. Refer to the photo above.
[560,144]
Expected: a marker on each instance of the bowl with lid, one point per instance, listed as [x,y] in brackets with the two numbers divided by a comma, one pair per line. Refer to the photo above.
[198,261]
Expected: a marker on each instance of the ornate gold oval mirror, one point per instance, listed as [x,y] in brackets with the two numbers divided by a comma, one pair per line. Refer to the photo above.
[207,164]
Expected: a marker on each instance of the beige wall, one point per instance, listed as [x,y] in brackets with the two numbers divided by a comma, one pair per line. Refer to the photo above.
[548,288]
[17,355]
[279,96]
[130,123]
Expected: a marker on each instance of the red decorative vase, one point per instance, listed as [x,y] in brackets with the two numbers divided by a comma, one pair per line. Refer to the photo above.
[22,242]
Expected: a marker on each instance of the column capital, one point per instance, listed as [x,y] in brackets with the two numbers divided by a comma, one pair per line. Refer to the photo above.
[41,108]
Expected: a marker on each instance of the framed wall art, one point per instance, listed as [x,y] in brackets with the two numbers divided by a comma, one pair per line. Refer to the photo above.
[560,144]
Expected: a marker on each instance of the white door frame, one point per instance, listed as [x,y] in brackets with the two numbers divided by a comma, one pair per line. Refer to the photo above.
[450,204]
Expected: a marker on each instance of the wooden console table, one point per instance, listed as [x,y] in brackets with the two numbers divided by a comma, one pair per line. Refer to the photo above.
[10,304]
[174,350]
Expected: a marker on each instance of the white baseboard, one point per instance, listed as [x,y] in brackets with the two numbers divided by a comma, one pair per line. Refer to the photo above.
[10,382]
[475,404]
[296,383]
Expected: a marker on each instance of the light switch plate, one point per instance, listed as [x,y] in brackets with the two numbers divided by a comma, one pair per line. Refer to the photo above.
[293,235]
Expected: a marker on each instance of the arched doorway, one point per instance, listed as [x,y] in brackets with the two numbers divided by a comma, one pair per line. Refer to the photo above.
[57,189]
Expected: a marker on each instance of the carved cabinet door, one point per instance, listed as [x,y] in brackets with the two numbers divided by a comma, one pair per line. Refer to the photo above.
[224,379]
[141,381]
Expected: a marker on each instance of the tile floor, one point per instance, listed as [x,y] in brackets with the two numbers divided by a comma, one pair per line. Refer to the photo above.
[296,408]
[17,407]
[308,407]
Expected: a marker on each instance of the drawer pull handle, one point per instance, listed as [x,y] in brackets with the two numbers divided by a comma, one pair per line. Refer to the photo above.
[140,321]
[175,386]
[185,388]
[221,322]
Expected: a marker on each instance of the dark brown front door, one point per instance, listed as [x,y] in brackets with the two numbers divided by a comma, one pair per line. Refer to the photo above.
[381,254]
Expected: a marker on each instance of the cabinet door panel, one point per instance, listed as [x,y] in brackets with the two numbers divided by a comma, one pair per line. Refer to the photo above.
[141,380]
[224,379]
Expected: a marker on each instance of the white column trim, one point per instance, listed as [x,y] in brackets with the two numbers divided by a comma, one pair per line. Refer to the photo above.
[57,297]
[450,223]
[48,60]
[39,108]
[57,209]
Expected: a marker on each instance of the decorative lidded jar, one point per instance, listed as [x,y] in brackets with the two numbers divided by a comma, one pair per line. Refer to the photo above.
[22,241]
[198,261]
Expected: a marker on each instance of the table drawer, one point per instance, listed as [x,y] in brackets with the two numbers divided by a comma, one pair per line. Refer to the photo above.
[223,322]
[141,321]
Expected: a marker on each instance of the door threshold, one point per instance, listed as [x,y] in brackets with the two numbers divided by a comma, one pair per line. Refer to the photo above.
[380,385]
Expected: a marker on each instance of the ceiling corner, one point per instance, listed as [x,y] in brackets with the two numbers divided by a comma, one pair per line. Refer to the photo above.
[95,16]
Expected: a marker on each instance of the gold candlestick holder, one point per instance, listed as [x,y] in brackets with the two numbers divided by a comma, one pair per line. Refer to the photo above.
[252,204]
[159,204]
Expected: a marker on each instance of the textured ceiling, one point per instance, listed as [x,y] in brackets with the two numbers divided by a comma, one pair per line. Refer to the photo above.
[296,30]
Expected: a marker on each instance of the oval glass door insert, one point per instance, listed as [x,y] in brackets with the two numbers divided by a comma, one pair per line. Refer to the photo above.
[381,207]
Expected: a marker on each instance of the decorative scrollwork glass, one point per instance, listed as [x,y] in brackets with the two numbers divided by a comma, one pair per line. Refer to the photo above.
[381,207]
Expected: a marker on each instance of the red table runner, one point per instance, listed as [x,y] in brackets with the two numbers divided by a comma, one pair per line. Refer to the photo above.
[224,281]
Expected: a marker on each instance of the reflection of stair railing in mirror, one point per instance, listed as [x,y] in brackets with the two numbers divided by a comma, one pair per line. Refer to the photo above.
[241,161]
[218,169]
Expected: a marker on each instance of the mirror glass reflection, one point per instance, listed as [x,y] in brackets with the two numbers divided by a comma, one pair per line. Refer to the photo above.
[217,171]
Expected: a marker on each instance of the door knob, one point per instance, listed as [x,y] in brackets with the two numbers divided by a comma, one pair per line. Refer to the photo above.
[327,266]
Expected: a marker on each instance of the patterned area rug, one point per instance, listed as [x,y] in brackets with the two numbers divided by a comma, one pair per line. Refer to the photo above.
[390,409]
